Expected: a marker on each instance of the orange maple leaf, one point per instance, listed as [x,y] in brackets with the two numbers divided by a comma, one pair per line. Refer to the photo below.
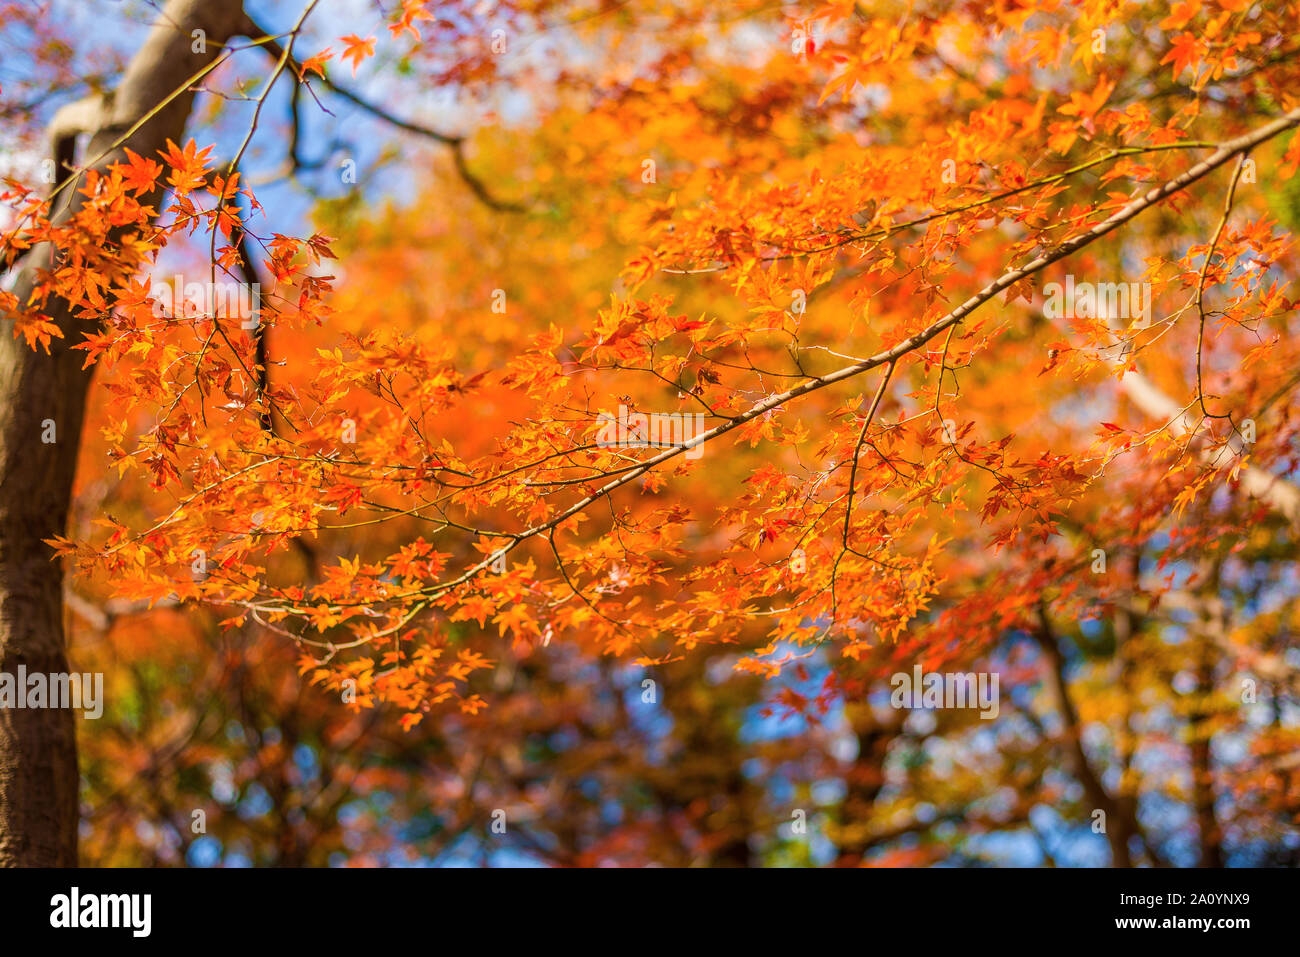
[37,330]
[412,10]
[358,49]
[1086,105]
[1187,49]
[316,64]
[189,166]
[139,174]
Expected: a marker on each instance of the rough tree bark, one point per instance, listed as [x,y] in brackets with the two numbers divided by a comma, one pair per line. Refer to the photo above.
[38,754]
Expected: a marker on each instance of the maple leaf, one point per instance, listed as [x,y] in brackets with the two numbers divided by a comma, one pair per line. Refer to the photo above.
[1180,14]
[517,619]
[316,64]
[412,10]
[1186,50]
[38,330]
[138,174]
[188,166]
[477,608]
[1086,105]
[357,49]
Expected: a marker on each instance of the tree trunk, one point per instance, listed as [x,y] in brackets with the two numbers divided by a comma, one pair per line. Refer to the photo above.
[1120,814]
[864,781]
[1200,727]
[39,393]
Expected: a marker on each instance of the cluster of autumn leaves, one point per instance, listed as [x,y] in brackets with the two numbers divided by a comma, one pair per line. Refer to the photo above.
[403,491]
